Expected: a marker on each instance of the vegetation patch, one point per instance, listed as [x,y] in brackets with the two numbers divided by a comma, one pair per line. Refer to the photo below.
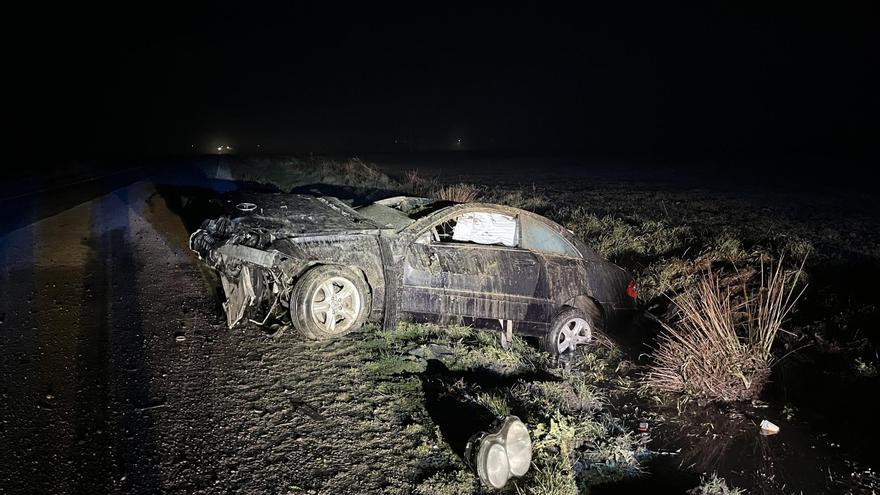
[287,173]
[698,257]
[713,485]
[720,345]
[459,193]
[448,483]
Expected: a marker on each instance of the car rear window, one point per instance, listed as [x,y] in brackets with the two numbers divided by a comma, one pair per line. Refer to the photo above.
[538,236]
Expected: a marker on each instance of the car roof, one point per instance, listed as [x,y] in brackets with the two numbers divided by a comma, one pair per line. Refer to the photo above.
[399,212]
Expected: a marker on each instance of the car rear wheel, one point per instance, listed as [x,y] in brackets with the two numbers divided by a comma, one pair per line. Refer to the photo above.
[329,301]
[571,328]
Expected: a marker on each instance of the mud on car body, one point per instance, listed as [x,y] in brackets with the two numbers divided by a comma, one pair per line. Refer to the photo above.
[327,267]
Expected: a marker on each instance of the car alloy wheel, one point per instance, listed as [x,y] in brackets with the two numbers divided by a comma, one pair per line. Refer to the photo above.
[329,301]
[574,332]
[571,328]
[336,304]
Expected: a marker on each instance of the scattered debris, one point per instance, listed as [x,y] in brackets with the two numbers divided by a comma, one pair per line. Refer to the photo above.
[304,407]
[768,428]
[277,330]
[308,410]
[158,404]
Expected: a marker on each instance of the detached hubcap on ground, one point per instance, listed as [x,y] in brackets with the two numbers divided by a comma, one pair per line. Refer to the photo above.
[574,332]
[336,305]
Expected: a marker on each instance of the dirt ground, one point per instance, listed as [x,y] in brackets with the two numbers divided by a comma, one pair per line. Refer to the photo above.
[118,375]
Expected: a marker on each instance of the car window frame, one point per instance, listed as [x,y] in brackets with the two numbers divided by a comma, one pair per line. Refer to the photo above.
[555,229]
[461,211]
[417,231]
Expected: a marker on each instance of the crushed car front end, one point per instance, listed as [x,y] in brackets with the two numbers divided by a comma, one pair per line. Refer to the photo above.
[267,241]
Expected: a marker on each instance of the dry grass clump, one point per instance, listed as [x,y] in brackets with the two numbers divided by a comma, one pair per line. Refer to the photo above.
[415,184]
[459,193]
[533,200]
[715,485]
[355,172]
[720,347]
[286,173]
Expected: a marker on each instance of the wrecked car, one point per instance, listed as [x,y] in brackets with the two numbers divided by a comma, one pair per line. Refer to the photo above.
[326,268]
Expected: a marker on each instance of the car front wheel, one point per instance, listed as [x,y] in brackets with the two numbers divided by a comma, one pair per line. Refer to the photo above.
[329,301]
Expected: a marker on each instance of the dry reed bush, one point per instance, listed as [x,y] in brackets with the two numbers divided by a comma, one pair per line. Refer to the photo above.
[414,183]
[719,347]
[459,193]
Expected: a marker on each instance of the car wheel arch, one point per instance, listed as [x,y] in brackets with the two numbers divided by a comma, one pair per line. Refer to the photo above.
[360,272]
[590,306]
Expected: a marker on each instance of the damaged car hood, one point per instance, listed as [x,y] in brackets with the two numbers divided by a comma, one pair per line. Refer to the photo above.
[292,215]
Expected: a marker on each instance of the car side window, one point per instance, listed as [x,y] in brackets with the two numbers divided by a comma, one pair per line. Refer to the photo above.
[538,236]
[478,227]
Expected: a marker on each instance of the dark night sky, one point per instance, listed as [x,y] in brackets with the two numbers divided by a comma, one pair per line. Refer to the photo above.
[716,81]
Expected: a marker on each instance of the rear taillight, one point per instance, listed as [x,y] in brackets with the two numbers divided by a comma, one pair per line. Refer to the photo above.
[631,289]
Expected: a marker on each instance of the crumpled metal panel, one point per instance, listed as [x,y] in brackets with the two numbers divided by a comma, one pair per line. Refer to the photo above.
[240,294]
[265,259]
[362,252]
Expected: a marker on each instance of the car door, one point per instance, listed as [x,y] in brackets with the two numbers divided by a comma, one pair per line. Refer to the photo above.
[482,274]
[564,266]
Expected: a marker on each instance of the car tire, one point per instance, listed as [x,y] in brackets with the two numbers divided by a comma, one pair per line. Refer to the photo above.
[571,327]
[329,301]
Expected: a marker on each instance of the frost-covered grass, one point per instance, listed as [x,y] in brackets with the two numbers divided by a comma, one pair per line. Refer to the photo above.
[713,485]
[667,238]
[578,441]
[287,172]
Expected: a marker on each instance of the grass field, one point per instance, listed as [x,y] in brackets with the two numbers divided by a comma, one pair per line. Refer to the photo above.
[584,415]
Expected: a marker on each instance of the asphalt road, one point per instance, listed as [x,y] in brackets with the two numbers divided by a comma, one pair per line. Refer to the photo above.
[118,374]
[92,300]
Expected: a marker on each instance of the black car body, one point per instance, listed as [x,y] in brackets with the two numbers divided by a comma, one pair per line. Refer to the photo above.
[414,259]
